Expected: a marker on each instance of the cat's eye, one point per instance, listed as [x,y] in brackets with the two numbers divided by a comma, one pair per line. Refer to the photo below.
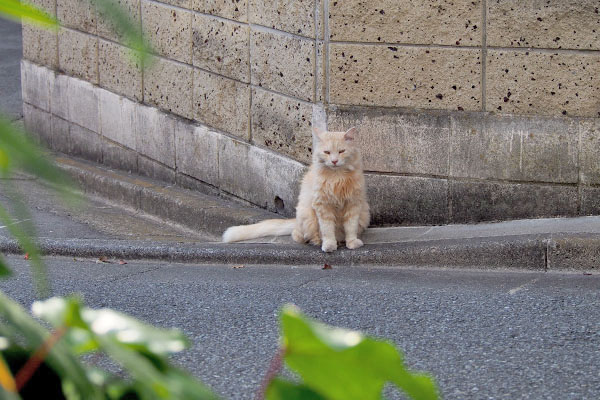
[326,152]
[341,151]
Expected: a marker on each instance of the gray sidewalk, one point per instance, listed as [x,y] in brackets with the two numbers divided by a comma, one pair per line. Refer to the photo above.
[148,219]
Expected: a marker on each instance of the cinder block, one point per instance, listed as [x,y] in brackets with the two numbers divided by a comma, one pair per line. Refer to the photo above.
[589,149]
[222,103]
[85,143]
[562,24]
[221,46]
[119,71]
[529,82]
[155,170]
[508,147]
[283,63]
[117,156]
[404,200]
[237,10]
[59,96]
[282,124]
[83,106]
[489,201]
[169,30]
[244,168]
[109,30]
[168,85]
[48,6]
[36,82]
[155,135]
[291,16]
[197,149]
[38,124]
[77,14]
[60,135]
[396,76]
[590,200]
[444,22]
[40,45]
[397,141]
[78,54]
[118,118]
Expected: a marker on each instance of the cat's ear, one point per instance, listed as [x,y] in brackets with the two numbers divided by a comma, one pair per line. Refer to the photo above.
[350,134]
[318,133]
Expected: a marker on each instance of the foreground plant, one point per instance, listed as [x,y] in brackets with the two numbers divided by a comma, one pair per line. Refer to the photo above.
[340,364]
[332,363]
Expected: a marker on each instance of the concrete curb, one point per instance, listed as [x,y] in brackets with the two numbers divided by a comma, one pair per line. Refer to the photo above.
[190,209]
[201,212]
[527,252]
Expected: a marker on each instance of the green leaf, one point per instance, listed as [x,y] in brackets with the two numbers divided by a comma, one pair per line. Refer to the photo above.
[20,152]
[23,153]
[343,364]
[60,359]
[283,390]
[19,228]
[4,270]
[18,10]
[114,325]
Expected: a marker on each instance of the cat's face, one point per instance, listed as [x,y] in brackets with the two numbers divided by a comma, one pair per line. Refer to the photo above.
[336,150]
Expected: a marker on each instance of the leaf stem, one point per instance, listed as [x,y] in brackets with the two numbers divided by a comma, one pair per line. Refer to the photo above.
[34,362]
[274,369]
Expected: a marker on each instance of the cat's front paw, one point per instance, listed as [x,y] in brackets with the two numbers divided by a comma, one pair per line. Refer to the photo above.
[354,244]
[329,246]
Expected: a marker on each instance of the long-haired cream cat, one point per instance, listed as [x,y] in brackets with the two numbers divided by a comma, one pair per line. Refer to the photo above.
[332,206]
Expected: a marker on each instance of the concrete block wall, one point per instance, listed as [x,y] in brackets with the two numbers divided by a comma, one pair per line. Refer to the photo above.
[468,110]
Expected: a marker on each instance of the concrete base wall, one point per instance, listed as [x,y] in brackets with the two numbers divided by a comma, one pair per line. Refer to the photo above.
[423,167]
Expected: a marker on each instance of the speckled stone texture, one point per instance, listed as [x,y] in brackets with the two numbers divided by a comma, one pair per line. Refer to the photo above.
[39,44]
[77,14]
[527,82]
[408,74]
[394,76]
[296,17]
[446,22]
[222,103]
[169,30]
[231,9]
[168,85]
[78,54]
[118,70]
[221,46]
[283,63]
[282,124]
[108,30]
[562,24]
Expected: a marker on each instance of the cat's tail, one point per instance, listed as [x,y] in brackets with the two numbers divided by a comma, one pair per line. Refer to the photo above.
[269,227]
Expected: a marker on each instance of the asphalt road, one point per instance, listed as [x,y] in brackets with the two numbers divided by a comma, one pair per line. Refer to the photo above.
[481,334]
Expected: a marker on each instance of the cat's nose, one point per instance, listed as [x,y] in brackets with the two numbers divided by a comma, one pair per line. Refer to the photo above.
[334,162]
